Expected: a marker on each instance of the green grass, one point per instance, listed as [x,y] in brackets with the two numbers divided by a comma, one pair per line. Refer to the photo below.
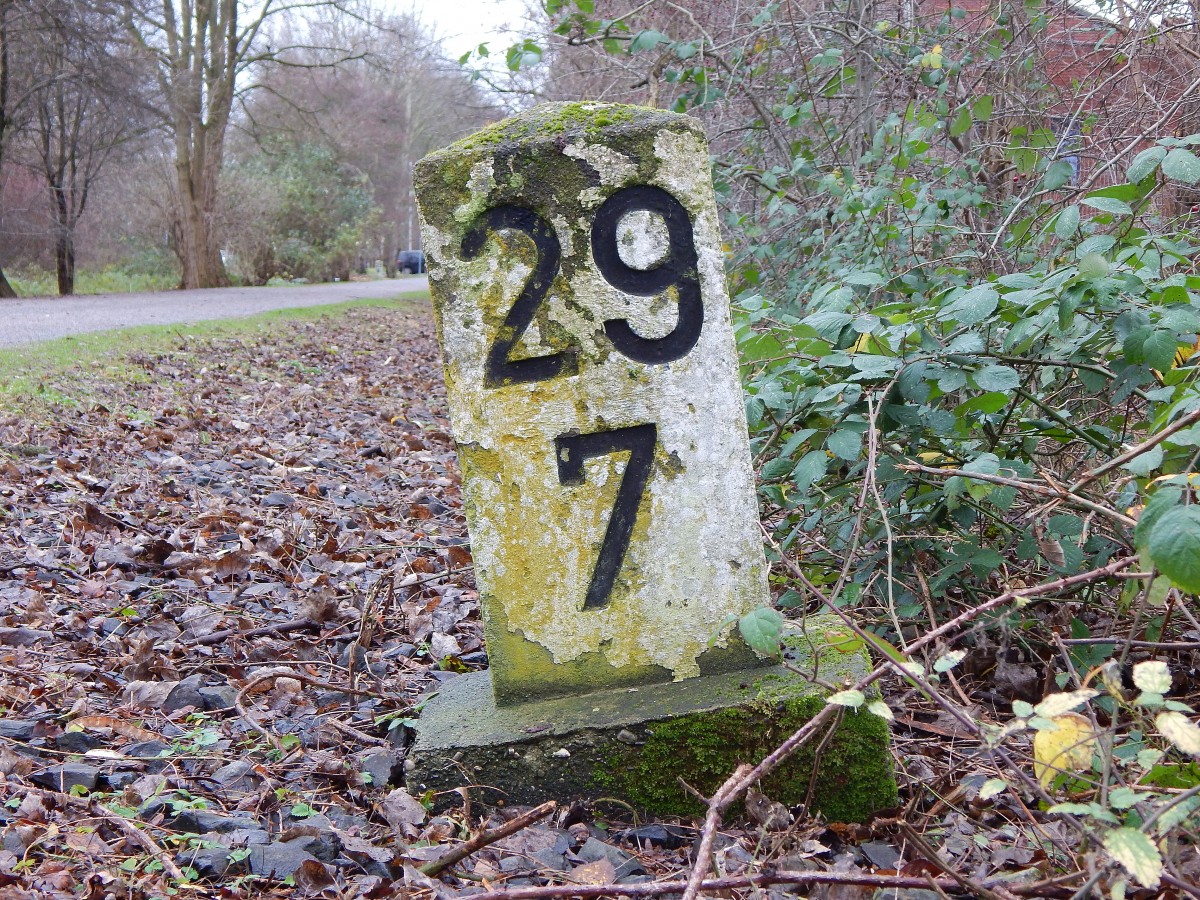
[109,280]
[36,377]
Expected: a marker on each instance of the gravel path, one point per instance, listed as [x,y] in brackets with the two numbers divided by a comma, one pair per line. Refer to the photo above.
[28,321]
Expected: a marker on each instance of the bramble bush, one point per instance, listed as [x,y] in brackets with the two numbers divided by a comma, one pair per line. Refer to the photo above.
[971,391]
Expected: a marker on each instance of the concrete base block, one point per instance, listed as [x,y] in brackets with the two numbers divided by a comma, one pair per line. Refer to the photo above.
[635,744]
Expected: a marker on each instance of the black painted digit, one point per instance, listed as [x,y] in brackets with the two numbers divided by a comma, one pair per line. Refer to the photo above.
[499,370]
[679,269]
[572,450]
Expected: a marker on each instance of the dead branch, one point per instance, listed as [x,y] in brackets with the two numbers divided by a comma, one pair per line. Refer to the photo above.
[484,838]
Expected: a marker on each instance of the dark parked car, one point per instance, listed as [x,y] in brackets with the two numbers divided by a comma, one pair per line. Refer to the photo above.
[410,261]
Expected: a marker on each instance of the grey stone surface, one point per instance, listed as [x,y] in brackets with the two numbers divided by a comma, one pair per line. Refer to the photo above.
[218,697]
[277,860]
[202,821]
[17,729]
[211,862]
[571,747]
[77,741]
[67,776]
[385,767]
[641,357]
[186,693]
[624,864]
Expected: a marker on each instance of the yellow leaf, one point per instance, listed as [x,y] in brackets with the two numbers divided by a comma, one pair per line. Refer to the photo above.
[1067,747]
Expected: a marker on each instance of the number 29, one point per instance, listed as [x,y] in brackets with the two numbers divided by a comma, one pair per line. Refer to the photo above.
[678,267]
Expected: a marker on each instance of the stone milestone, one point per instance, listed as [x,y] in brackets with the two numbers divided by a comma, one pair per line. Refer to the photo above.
[592,377]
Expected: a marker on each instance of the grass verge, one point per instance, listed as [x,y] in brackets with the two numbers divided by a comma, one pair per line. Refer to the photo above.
[37,377]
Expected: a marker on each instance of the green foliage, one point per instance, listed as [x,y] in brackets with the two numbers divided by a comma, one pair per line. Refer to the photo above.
[298,213]
[143,271]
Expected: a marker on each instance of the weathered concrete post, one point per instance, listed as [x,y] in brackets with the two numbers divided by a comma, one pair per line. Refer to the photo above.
[575,263]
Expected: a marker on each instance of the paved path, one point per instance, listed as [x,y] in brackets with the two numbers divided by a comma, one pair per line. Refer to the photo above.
[27,321]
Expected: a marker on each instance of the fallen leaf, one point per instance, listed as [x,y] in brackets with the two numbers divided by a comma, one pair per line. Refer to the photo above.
[404,813]
[1066,747]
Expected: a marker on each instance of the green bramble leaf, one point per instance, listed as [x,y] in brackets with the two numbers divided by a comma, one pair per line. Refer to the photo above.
[1137,853]
[1174,546]
[1180,731]
[762,629]
[1182,165]
[949,660]
[1057,704]
[648,40]
[1058,174]
[1093,266]
[992,787]
[1153,676]
[1109,205]
[1067,223]
[1144,164]
[853,699]
[881,709]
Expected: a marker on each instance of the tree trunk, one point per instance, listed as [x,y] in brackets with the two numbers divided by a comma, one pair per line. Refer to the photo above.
[199,251]
[64,261]
[6,289]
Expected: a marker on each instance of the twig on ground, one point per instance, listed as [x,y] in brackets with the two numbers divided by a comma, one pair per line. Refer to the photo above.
[123,825]
[797,879]
[484,838]
[284,672]
[279,628]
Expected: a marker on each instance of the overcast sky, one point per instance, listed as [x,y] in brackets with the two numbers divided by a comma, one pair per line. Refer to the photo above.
[464,24]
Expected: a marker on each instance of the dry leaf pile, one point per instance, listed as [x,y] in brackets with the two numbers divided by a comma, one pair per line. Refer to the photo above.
[228,575]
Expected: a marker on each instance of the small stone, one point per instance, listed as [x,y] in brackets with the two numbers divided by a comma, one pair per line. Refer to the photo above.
[185,694]
[17,729]
[322,843]
[219,697]
[118,781]
[77,742]
[397,650]
[151,752]
[622,862]
[22,637]
[209,863]
[111,625]
[67,776]
[238,775]
[562,753]
[203,821]
[880,854]
[669,837]
[386,767]
[278,860]
[625,736]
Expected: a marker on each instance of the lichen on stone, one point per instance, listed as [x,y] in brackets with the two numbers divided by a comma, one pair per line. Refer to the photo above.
[695,557]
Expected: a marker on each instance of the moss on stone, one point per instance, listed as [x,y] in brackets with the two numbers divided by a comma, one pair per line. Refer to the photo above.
[854,779]
[635,745]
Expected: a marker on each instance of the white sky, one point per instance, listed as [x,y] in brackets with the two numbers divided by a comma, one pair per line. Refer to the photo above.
[464,24]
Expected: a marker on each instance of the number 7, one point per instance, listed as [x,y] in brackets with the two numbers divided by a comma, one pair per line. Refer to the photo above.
[572,450]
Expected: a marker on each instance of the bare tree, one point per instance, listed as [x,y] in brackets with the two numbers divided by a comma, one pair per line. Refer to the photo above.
[206,52]
[12,94]
[379,113]
[89,102]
